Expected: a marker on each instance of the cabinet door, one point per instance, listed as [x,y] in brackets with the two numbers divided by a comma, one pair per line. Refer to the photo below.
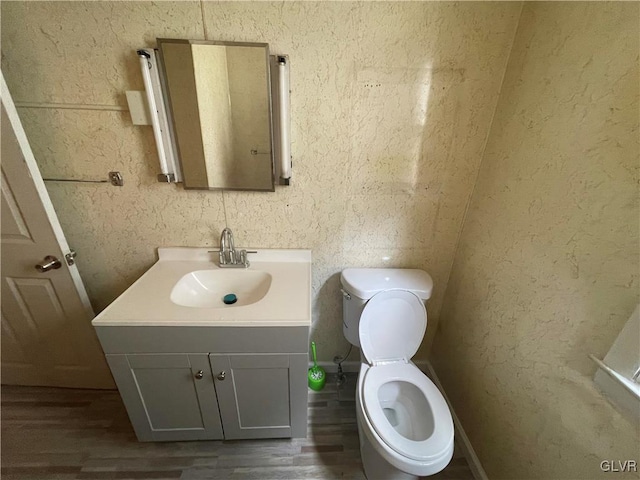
[253,394]
[168,397]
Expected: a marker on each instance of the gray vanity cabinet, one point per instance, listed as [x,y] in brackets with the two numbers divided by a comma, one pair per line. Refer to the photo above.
[168,396]
[254,393]
[248,382]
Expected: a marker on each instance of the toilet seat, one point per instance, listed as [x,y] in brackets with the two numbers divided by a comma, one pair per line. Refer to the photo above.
[391,329]
[438,442]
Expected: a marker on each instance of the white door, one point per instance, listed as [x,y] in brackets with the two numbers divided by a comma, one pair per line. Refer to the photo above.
[47,337]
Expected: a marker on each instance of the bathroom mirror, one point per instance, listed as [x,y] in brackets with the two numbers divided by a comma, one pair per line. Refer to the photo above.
[219,101]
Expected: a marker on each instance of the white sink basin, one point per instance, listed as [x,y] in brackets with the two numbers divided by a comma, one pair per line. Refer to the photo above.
[185,288]
[207,288]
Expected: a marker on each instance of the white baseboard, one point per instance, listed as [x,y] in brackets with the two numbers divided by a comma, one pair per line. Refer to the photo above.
[465,444]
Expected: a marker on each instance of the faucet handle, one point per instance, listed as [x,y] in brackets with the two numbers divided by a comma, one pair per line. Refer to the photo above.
[243,260]
[221,258]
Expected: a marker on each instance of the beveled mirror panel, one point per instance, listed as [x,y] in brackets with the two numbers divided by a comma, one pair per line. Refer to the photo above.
[220,104]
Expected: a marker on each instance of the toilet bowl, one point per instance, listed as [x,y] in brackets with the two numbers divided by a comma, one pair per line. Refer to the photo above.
[404,423]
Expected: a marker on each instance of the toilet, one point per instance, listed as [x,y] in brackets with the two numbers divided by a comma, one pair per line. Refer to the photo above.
[404,422]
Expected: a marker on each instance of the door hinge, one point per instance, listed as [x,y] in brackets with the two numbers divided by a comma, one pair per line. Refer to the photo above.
[69,257]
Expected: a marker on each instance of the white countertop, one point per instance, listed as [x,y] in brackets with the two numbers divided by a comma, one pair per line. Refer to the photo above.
[147,302]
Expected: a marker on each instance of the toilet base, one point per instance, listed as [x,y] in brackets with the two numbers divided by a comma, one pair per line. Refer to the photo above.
[376,467]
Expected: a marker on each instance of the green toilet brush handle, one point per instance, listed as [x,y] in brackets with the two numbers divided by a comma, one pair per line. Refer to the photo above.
[313,354]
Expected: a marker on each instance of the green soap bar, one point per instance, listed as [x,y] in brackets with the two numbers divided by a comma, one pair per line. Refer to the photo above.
[230,299]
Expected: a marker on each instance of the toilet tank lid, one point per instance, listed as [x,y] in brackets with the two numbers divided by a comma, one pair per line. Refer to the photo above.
[366,282]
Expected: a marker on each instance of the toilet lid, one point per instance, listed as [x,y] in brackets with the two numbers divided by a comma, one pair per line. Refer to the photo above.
[392,325]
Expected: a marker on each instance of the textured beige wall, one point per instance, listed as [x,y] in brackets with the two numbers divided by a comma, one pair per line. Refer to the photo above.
[391,106]
[548,262]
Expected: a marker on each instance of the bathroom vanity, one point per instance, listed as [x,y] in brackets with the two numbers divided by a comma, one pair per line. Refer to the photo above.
[189,367]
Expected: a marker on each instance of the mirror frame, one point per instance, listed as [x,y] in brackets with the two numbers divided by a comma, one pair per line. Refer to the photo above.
[169,108]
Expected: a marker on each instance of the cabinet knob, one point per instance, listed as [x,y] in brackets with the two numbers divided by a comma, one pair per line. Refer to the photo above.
[199,375]
[222,375]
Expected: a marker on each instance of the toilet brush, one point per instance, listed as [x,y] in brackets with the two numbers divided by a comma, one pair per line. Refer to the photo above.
[317,375]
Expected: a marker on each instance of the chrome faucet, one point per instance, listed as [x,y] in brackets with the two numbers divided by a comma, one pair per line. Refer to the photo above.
[228,255]
[227,249]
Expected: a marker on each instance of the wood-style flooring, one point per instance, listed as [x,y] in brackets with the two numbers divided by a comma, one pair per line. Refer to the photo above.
[54,433]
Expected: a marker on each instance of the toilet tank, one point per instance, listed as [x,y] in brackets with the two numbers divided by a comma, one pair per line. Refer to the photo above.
[360,284]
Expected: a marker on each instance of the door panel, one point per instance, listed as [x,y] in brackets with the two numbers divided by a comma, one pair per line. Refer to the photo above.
[253,394]
[46,316]
[43,314]
[14,227]
[166,397]
[14,358]
[11,349]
